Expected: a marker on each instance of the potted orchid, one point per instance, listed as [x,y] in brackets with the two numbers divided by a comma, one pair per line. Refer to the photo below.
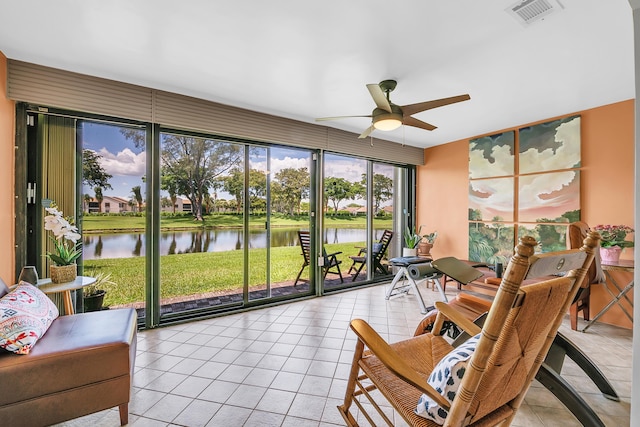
[613,239]
[67,249]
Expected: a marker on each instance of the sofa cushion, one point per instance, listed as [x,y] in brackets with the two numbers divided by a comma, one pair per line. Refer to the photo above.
[25,315]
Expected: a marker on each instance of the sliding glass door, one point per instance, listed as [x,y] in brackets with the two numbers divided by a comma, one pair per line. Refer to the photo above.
[359,217]
[184,224]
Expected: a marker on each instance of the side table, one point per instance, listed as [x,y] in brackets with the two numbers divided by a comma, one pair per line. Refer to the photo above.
[48,287]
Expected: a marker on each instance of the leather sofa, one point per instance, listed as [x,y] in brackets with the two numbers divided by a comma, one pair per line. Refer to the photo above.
[83,364]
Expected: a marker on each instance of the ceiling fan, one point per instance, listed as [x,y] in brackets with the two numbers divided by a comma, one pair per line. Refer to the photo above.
[389,116]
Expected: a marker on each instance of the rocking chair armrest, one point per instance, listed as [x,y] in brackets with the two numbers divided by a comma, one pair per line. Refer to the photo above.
[333,254]
[456,317]
[392,360]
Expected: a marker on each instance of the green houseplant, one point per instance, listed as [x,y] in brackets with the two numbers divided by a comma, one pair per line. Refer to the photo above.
[411,240]
[93,295]
[426,243]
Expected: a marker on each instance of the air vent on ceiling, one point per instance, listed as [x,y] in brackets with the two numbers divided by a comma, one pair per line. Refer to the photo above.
[529,11]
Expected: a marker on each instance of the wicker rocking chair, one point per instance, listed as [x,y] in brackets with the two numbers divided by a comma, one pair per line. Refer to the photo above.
[504,357]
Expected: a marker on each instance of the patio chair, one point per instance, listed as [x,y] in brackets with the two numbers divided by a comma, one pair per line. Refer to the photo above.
[483,382]
[379,250]
[330,260]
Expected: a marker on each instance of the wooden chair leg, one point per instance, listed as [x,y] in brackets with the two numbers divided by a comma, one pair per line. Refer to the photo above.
[573,315]
[299,274]
[351,386]
[124,414]
[358,272]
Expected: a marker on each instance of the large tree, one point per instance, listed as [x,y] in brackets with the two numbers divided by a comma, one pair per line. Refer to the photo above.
[93,174]
[336,190]
[234,185]
[293,187]
[382,189]
[195,163]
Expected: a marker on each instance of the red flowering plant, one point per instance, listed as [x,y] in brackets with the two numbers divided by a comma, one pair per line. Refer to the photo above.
[614,235]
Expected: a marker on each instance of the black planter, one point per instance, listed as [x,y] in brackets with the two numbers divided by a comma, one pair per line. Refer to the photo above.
[94,302]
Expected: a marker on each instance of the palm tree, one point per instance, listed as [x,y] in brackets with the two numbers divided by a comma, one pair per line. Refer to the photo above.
[87,202]
[137,194]
[99,197]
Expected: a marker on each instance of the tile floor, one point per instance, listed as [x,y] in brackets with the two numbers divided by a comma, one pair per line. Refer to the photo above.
[287,366]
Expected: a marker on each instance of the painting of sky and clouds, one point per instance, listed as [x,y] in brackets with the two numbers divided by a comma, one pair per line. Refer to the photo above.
[550,146]
[549,197]
[492,156]
[491,199]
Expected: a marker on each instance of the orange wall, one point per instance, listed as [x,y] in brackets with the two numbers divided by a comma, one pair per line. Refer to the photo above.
[7,132]
[607,187]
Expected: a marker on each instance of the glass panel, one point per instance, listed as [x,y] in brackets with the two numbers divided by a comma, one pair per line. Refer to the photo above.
[345,217]
[383,213]
[348,195]
[113,204]
[259,229]
[288,194]
[201,241]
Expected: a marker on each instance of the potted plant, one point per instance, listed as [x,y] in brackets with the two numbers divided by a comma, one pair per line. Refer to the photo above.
[93,295]
[426,243]
[613,241]
[65,242]
[411,240]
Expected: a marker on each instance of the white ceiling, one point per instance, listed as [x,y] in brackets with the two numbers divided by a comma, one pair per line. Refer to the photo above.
[303,60]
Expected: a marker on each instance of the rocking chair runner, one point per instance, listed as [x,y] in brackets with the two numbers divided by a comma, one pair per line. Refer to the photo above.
[512,344]
[379,249]
[330,260]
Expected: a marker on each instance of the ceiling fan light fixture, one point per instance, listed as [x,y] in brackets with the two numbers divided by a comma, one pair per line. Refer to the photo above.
[387,123]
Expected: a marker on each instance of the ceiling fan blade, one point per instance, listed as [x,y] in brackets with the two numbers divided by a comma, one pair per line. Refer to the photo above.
[410,109]
[323,119]
[378,97]
[367,132]
[412,121]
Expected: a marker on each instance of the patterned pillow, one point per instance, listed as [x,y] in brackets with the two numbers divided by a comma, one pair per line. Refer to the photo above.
[25,315]
[446,379]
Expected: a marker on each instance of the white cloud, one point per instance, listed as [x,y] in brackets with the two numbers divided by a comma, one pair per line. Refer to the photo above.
[125,162]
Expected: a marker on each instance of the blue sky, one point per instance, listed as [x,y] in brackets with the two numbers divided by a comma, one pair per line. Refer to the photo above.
[127,164]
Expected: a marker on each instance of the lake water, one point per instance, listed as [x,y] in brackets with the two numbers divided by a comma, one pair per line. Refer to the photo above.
[125,245]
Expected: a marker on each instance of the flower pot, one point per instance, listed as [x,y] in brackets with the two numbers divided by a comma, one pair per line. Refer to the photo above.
[424,248]
[94,302]
[409,252]
[610,255]
[63,273]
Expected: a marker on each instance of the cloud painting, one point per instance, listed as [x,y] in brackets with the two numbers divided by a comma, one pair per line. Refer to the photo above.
[550,146]
[492,156]
[491,199]
[549,197]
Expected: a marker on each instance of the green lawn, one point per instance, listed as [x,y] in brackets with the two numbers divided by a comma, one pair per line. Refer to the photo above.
[191,274]
[196,273]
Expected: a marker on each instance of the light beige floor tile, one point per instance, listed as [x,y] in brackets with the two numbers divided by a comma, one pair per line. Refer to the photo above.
[288,365]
